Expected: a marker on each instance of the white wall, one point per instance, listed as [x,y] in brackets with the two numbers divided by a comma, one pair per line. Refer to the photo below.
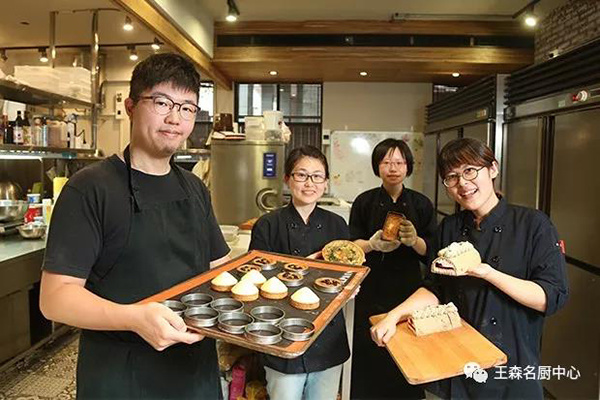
[193,20]
[375,106]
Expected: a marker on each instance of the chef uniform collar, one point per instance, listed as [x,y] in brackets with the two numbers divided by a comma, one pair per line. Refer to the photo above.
[489,220]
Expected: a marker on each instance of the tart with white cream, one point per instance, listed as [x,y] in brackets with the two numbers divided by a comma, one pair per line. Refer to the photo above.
[273,289]
[223,282]
[305,299]
[255,277]
[245,290]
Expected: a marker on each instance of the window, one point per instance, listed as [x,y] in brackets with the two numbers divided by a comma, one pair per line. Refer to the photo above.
[300,103]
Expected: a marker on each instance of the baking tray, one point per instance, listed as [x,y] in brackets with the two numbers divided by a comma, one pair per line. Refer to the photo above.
[442,355]
[331,303]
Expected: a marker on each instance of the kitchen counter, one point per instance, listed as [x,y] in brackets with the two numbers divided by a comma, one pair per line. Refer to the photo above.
[15,246]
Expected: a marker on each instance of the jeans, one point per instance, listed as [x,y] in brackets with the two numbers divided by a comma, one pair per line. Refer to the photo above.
[321,385]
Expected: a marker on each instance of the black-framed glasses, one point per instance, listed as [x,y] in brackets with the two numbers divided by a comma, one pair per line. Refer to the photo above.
[303,177]
[163,106]
[469,174]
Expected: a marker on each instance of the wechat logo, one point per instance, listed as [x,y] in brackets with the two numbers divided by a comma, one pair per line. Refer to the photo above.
[474,371]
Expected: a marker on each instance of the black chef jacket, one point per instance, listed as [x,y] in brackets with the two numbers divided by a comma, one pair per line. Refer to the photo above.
[394,276]
[284,231]
[520,242]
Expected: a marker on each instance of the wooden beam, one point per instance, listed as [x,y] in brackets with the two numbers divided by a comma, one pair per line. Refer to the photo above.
[431,27]
[156,22]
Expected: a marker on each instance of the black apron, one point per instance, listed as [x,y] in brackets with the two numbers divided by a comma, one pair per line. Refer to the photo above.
[166,245]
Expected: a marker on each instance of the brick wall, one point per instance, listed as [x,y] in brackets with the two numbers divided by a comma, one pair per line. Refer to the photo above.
[566,27]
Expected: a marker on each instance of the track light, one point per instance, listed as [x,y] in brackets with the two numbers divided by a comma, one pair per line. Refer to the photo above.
[43,55]
[233,12]
[528,13]
[455,74]
[273,73]
[531,20]
[132,53]
[363,73]
[128,26]
[3,55]
[155,45]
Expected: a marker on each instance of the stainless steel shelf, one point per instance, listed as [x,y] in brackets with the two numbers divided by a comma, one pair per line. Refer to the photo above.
[28,95]
[14,150]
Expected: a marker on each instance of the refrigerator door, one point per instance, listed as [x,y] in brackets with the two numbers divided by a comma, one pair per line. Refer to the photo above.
[481,132]
[576,185]
[571,338]
[521,172]
[429,166]
[445,206]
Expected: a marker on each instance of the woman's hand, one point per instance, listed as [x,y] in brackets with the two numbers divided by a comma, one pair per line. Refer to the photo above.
[407,233]
[382,332]
[378,244]
[161,327]
[316,256]
[480,271]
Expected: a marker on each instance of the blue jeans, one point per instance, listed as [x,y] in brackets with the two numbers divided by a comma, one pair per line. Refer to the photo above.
[322,385]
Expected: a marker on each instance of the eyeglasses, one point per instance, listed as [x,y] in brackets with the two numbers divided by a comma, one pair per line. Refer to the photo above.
[303,177]
[164,105]
[469,174]
[388,164]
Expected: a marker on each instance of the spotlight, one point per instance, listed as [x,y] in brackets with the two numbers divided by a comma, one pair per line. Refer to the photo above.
[363,73]
[273,73]
[3,55]
[233,12]
[132,53]
[531,20]
[43,55]
[155,45]
[455,74]
[128,26]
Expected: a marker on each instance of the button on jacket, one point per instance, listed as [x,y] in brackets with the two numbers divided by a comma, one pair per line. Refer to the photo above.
[520,242]
[284,231]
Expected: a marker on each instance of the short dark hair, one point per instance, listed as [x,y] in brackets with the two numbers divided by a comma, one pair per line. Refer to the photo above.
[465,151]
[304,151]
[384,147]
[161,68]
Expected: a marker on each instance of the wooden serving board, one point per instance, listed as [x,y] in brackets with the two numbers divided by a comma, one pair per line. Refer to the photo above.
[440,355]
[330,304]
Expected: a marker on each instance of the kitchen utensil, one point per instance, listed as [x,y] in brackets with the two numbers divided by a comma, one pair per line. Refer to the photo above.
[10,191]
[196,299]
[12,209]
[32,231]
[268,314]
[263,333]
[297,329]
[200,317]
[234,322]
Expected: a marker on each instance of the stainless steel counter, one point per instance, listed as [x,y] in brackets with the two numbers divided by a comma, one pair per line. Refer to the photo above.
[14,246]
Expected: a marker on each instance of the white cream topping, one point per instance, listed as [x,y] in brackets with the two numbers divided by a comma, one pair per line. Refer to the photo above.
[274,285]
[455,249]
[255,277]
[224,279]
[305,295]
[245,287]
[433,311]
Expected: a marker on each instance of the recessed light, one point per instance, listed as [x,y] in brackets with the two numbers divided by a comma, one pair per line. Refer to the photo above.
[363,73]
[128,25]
[455,74]
[273,73]
[531,21]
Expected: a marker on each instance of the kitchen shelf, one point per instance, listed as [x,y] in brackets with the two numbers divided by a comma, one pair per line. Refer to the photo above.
[36,97]
[54,152]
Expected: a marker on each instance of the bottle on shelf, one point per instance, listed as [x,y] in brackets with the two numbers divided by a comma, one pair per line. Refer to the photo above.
[44,133]
[36,132]
[27,134]
[18,129]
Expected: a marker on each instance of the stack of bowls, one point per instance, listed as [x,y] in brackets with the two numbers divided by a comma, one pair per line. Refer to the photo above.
[12,205]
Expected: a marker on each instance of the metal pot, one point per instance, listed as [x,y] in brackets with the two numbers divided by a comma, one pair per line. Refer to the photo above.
[10,191]
[11,210]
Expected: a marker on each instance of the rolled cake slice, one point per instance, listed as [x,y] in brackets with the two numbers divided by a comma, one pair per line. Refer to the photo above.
[456,259]
[433,319]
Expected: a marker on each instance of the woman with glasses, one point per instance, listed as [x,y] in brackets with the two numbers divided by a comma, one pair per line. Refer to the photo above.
[301,229]
[506,298]
[395,271]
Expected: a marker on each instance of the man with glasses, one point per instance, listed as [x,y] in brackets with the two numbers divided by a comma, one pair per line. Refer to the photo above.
[128,227]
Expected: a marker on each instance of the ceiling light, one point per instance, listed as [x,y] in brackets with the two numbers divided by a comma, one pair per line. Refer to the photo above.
[273,73]
[455,74]
[531,20]
[363,73]
[155,45]
[128,26]
[43,55]
[3,55]
[132,53]
[232,11]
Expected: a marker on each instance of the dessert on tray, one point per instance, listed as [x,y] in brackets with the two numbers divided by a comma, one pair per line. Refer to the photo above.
[293,267]
[273,289]
[255,277]
[343,251]
[432,319]
[223,282]
[456,259]
[305,299]
[245,290]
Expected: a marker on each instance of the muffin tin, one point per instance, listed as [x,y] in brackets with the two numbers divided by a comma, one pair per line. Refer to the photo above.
[271,326]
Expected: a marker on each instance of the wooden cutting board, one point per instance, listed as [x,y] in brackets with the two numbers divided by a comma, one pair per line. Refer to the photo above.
[440,355]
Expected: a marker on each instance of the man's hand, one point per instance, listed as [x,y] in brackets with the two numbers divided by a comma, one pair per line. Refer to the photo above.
[161,327]
[378,244]
[407,233]
[382,332]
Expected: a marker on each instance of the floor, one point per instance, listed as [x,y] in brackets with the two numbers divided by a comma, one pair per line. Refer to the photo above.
[47,373]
